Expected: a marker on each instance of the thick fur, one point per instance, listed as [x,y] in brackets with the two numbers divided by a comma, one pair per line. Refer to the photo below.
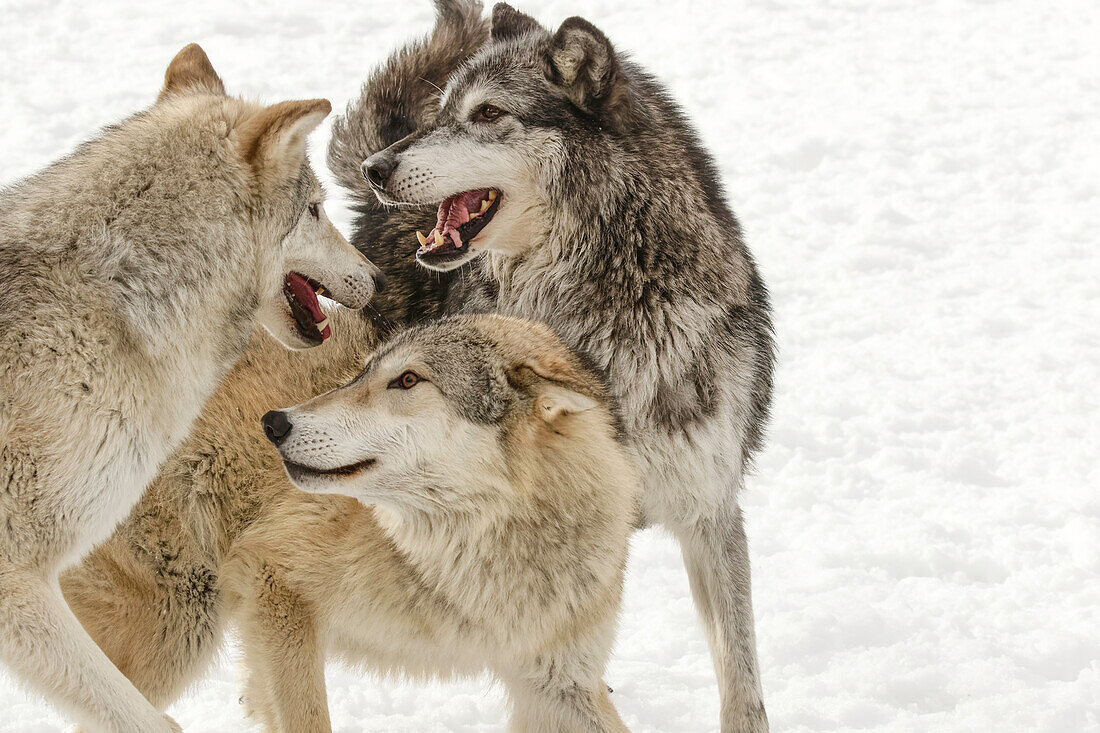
[649,293]
[490,532]
[400,97]
[150,594]
[135,270]
[614,230]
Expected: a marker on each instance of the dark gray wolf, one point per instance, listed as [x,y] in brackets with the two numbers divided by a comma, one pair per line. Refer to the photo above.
[134,272]
[576,193]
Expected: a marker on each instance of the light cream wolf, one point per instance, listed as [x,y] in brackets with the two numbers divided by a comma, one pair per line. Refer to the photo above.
[135,269]
[500,506]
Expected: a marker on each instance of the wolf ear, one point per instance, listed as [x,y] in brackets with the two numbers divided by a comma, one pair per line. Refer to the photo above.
[553,385]
[581,60]
[191,71]
[510,23]
[556,401]
[273,140]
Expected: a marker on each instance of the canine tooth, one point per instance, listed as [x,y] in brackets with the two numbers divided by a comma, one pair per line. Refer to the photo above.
[421,238]
[492,195]
[485,204]
[321,324]
[438,238]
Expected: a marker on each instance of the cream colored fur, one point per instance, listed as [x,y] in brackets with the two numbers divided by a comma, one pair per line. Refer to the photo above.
[135,270]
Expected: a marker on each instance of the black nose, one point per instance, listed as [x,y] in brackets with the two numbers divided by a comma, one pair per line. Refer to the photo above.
[378,168]
[276,426]
[380,281]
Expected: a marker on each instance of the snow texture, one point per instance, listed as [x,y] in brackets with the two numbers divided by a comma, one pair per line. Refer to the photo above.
[920,182]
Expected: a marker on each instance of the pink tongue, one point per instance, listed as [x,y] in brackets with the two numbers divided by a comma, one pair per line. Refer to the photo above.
[306,295]
[455,211]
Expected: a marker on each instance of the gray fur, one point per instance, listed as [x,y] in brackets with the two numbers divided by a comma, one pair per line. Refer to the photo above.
[627,248]
[401,96]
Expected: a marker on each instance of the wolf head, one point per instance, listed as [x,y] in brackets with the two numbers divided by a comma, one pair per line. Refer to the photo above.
[445,413]
[498,145]
[299,254]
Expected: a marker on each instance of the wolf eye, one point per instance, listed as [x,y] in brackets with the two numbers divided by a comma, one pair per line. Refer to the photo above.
[315,211]
[487,113]
[407,380]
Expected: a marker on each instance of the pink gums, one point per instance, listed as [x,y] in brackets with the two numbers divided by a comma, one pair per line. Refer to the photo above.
[455,211]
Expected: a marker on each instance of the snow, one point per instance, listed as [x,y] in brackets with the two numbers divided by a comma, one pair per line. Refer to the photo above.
[920,182]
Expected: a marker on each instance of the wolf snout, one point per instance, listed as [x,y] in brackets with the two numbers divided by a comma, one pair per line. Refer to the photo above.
[352,280]
[276,426]
[378,168]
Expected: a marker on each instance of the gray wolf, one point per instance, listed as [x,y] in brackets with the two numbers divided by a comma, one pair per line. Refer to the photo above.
[494,510]
[135,269]
[566,177]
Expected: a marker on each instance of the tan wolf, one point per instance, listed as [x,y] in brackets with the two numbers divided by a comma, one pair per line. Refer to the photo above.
[498,508]
[135,270]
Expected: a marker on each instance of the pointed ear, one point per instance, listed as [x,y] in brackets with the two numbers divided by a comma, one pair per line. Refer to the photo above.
[555,386]
[582,61]
[556,401]
[273,140]
[510,23]
[191,72]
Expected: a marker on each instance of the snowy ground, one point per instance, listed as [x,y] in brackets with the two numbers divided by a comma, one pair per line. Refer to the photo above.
[920,182]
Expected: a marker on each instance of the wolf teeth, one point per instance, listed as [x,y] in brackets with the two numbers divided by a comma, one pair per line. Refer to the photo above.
[421,238]
[485,204]
[492,196]
[321,324]
[438,239]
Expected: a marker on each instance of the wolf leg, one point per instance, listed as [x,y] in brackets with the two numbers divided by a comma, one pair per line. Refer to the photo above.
[45,645]
[541,704]
[256,695]
[715,552]
[161,629]
[284,663]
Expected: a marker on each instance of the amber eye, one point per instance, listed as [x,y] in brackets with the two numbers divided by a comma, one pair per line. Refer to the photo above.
[487,113]
[315,211]
[407,380]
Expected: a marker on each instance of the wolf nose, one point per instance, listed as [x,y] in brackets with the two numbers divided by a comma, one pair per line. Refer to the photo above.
[276,426]
[378,168]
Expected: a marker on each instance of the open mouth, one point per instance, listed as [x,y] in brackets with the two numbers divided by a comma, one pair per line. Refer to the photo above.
[301,293]
[459,220]
[297,471]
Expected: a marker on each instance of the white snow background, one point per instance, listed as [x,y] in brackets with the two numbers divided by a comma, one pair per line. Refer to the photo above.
[920,183]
